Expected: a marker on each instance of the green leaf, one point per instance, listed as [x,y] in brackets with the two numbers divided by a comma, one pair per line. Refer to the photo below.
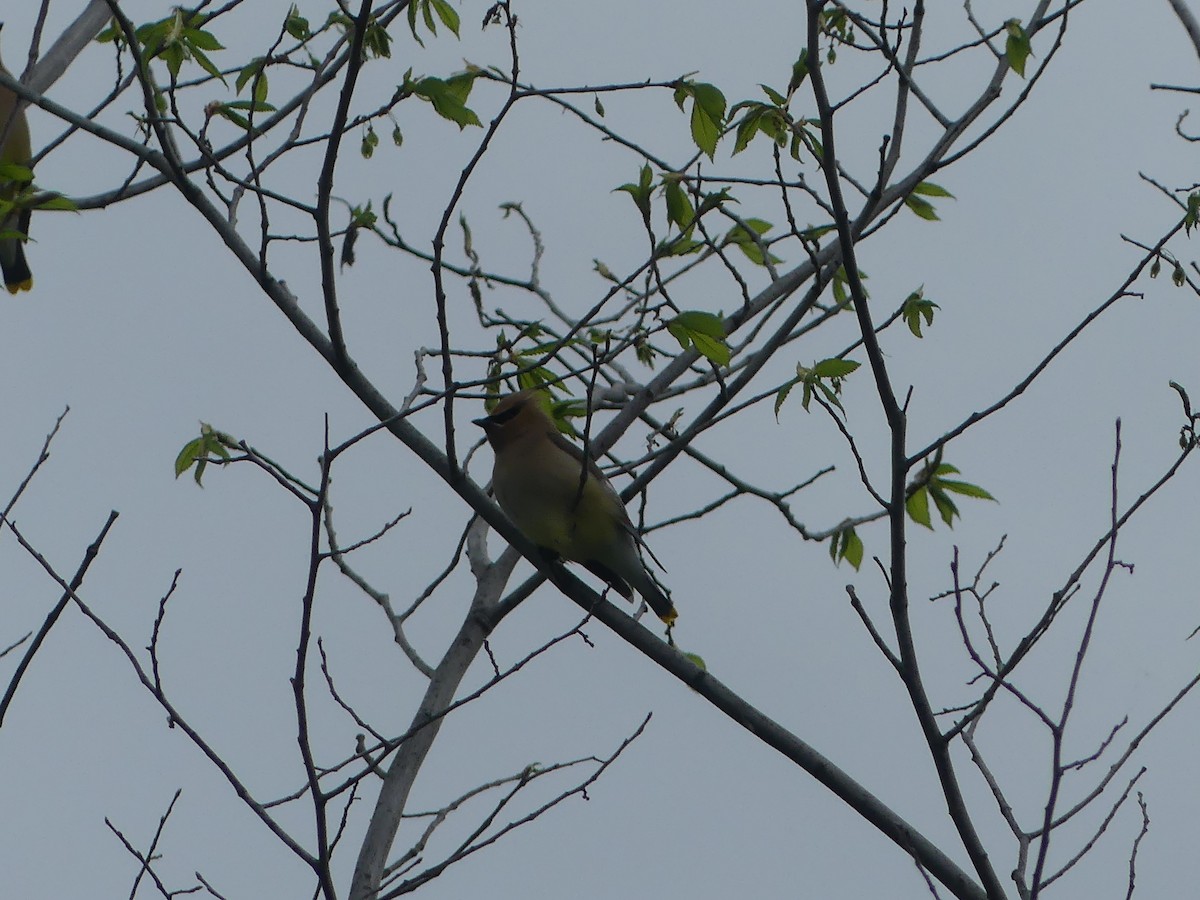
[377,42]
[743,235]
[933,484]
[696,660]
[296,25]
[782,394]
[207,64]
[1193,212]
[714,350]
[679,206]
[747,128]
[678,246]
[841,286]
[816,232]
[711,100]
[58,202]
[447,14]
[369,142]
[682,92]
[248,72]
[448,97]
[251,106]
[929,189]
[715,200]
[922,208]
[708,113]
[834,368]
[777,98]
[825,376]
[799,73]
[702,322]
[806,396]
[966,489]
[1016,48]
[917,507]
[640,192]
[847,545]
[945,506]
[917,310]
[704,331]
[198,451]
[705,131]
[806,133]
[202,40]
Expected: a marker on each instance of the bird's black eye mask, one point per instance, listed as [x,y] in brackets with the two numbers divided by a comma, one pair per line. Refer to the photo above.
[501,418]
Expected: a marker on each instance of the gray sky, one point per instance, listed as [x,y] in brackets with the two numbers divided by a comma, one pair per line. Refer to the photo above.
[145,325]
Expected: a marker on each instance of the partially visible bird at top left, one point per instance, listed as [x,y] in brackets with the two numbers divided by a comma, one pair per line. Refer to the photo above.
[15,155]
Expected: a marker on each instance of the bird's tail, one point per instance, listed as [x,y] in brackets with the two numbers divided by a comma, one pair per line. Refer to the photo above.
[636,577]
[654,595]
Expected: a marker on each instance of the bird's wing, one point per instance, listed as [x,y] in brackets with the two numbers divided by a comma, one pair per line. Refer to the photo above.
[576,453]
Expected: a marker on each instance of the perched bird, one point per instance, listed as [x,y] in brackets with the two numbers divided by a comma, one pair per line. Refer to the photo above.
[15,154]
[539,482]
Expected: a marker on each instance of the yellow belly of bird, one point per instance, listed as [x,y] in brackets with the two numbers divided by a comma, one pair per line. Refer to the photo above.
[553,519]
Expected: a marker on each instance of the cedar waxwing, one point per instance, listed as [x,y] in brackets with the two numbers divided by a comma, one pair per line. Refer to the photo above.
[15,150]
[537,482]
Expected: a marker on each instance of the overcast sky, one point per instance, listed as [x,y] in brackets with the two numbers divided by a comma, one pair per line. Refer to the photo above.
[144,324]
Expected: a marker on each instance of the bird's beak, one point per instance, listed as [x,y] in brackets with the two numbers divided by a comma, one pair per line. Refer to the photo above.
[482,423]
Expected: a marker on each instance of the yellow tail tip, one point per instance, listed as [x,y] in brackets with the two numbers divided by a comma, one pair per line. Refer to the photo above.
[15,287]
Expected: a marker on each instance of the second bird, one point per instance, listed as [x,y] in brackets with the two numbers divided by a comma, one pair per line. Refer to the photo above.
[15,151]
[537,481]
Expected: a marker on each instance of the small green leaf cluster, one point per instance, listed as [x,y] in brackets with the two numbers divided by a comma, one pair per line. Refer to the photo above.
[917,310]
[428,9]
[846,544]
[931,484]
[704,331]
[825,376]
[530,374]
[835,24]
[1178,274]
[200,451]
[175,39]
[840,285]
[747,237]
[707,106]
[448,96]
[707,112]
[774,120]
[1189,434]
[1192,216]
[641,192]
[296,25]
[377,42]
[922,207]
[253,73]
[681,212]
[684,214]
[1017,48]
